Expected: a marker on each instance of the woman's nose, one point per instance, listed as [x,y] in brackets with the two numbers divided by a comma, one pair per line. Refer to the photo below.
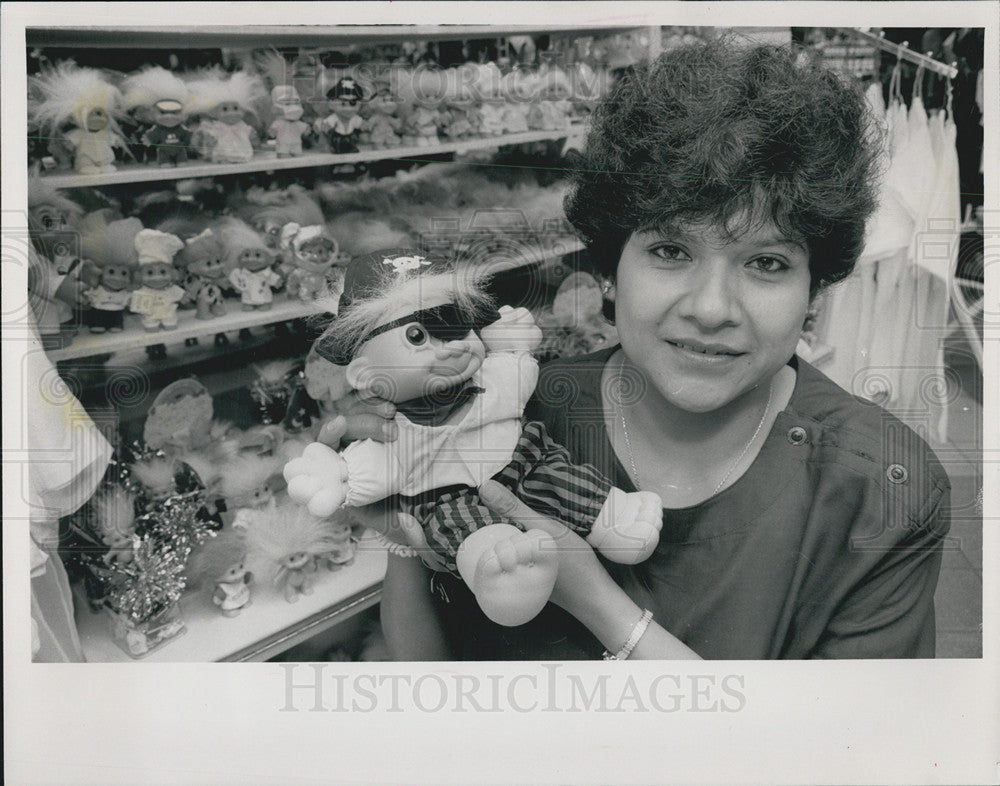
[712,296]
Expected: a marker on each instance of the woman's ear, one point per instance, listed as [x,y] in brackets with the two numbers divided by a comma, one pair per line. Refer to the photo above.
[608,299]
[357,372]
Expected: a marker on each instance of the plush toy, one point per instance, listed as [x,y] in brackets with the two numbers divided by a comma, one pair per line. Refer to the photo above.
[312,253]
[248,260]
[157,297]
[202,258]
[421,333]
[224,101]
[163,98]
[288,129]
[83,100]
[343,125]
[289,539]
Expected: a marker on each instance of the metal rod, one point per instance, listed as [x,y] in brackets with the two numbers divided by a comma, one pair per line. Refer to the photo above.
[903,51]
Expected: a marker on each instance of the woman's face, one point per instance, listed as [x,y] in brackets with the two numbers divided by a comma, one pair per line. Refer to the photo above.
[708,319]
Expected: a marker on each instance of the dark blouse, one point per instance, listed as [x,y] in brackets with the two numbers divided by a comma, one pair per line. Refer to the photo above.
[829,546]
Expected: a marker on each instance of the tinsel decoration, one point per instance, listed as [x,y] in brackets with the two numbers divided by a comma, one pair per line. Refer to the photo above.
[147,585]
[180,522]
[185,478]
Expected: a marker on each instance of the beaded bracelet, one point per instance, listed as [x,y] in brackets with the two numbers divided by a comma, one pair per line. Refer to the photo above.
[633,638]
[398,549]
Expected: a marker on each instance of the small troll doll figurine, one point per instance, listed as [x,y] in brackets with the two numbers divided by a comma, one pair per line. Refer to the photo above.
[157,296]
[224,101]
[288,127]
[343,125]
[290,540]
[203,258]
[422,334]
[78,108]
[313,252]
[163,98]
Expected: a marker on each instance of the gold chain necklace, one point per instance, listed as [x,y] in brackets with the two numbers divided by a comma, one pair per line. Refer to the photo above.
[736,461]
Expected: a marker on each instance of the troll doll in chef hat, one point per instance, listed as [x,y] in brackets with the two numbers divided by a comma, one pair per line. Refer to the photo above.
[423,334]
[157,296]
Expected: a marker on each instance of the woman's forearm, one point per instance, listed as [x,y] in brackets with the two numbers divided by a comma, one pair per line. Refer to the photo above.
[409,620]
[610,614]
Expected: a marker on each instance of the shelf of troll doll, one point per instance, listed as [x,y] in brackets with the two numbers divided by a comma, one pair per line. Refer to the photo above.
[267,160]
[279,36]
[219,626]
[285,307]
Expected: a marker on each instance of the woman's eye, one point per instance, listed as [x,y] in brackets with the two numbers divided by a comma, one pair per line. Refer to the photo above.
[416,335]
[768,264]
[670,253]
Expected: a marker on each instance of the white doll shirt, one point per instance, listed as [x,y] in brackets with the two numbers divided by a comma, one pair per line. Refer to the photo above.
[231,143]
[335,124]
[104,299]
[156,303]
[467,452]
[237,595]
[92,147]
[255,286]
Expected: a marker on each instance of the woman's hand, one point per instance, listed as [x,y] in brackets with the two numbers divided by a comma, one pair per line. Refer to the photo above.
[400,529]
[584,588]
[360,418]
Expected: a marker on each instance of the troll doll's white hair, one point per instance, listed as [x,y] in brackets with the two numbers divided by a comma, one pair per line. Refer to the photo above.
[408,290]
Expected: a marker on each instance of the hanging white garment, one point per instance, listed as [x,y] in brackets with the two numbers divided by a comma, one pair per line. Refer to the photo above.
[68,458]
[912,176]
[935,256]
[848,306]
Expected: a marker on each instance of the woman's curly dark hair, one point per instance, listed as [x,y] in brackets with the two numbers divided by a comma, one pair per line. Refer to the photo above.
[719,133]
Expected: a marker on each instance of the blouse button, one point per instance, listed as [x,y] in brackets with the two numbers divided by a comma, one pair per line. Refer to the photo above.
[797,435]
[897,473]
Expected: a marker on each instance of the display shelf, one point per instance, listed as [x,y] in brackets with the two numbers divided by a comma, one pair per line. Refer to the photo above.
[267,36]
[267,161]
[189,326]
[268,626]
[284,310]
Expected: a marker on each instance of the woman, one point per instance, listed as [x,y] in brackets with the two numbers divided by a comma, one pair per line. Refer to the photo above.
[723,189]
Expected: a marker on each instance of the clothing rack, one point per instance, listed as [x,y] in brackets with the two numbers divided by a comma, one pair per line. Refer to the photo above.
[904,52]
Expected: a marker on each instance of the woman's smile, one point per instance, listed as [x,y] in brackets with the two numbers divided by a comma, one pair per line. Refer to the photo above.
[713,351]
